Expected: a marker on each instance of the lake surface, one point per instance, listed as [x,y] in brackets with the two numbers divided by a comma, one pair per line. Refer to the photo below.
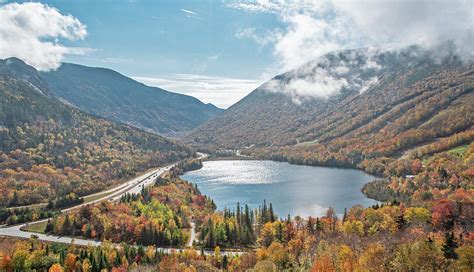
[292,189]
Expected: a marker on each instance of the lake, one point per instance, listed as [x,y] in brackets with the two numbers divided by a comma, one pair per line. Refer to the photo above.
[292,189]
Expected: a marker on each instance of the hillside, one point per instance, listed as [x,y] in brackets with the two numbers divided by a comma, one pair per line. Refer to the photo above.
[388,104]
[109,94]
[49,149]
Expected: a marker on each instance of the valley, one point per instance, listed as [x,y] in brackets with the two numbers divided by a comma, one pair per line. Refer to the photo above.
[273,183]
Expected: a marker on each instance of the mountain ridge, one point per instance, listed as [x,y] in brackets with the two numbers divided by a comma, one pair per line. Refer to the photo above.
[114,96]
[418,96]
[49,149]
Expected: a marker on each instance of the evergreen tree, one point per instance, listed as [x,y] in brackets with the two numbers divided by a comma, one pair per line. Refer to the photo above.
[271,214]
[400,220]
[67,225]
[62,257]
[449,246]
[14,202]
[225,262]
[49,227]
[238,213]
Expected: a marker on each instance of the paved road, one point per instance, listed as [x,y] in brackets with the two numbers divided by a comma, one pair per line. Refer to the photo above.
[133,186]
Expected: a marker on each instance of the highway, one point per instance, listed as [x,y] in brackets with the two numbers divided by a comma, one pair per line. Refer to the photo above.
[133,186]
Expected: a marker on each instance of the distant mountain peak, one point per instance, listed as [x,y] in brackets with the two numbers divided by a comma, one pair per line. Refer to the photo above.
[16,68]
[109,94]
[342,92]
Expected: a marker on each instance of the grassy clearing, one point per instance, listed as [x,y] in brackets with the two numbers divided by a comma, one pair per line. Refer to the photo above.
[459,150]
[90,198]
[308,143]
[36,227]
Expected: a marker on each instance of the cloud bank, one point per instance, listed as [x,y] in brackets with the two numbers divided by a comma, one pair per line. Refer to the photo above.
[328,75]
[220,91]
[314,28]
[33,32]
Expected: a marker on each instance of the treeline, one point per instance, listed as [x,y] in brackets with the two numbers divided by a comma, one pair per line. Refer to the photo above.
[158,215]
[187,165]
[373,132]
[48,149]
[443,175]
[387,237]
[66,201]
[134,222]
[33,255]
[239,227]
[22,215]
[379,238]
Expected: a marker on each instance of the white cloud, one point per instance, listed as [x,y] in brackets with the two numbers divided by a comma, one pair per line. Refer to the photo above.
[190,12]
[314,28]
[220,91]
[33,33]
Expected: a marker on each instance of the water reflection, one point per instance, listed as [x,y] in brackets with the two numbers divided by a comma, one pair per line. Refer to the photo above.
[294,189]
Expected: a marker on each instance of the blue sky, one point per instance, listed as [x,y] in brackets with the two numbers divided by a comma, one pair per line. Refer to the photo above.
[219,51]
[158,37]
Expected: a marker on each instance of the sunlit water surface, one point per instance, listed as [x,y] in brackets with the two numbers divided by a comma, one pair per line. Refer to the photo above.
[292,189]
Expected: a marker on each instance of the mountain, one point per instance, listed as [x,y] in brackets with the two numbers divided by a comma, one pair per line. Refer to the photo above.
[349,107]
[49,149]
[109,94]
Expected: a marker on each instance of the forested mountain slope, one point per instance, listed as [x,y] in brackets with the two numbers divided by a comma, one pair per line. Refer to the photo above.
[387,104]
[111,95]
[49,149]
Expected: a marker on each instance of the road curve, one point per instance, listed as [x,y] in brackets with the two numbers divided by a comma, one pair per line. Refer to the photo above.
[133,186]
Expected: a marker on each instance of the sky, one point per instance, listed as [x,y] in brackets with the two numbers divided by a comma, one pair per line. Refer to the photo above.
[218,51]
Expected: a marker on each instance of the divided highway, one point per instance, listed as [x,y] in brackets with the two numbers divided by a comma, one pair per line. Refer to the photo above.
[133,186]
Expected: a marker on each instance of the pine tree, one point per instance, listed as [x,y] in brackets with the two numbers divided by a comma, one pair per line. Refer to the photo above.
[62,257]
[14,201]
[94,264]
[49,227]
[67,225]
[272,215]
[117,261]
[238,213]
[450,246]
[211,235]
[264,212]
[225,262]
[400,221]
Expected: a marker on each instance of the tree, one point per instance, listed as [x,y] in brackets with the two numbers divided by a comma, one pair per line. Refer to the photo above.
[278,254]
[86,265]
[443,214]
[466,258]
[271,213]
[70,262]
[67,225]
[56,268]
[449,246]
[373,258]
[266,235]
[19,260]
